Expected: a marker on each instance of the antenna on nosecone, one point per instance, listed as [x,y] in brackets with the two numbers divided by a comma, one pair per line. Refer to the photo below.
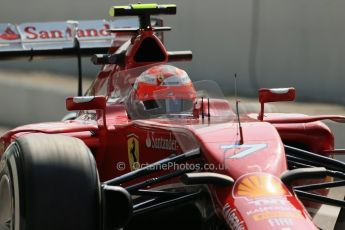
[238,113]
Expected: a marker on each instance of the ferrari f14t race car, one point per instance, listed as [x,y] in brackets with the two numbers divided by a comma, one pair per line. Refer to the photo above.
[149,148]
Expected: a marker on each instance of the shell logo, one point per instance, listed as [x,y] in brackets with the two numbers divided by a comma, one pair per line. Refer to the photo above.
[259,185]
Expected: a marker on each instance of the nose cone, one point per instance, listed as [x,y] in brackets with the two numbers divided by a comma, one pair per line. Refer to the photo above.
[261,151]
[261,201]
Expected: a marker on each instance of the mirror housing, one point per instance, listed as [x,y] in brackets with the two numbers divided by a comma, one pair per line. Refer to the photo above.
[86,103]
[274,95]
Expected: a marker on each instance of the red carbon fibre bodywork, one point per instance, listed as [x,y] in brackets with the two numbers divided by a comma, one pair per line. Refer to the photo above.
[216,142]
[258,199]
[271,208]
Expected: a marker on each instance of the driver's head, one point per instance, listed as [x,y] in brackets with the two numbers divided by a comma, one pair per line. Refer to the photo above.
[163,90]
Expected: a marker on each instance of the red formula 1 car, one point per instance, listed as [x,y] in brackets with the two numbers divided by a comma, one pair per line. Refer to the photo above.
[149,148]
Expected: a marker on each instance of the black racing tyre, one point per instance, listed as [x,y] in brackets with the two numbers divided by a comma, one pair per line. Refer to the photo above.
[49,182]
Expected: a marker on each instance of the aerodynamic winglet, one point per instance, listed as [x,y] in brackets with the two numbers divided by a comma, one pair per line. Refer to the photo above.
[143,11]
[140,9]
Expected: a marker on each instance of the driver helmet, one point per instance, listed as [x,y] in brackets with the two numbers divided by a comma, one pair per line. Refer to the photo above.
[162,90]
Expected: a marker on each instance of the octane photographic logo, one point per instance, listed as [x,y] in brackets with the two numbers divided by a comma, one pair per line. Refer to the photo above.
[133,151]
[159,142]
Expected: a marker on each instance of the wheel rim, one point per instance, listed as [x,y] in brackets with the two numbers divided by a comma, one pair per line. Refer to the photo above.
[6,201]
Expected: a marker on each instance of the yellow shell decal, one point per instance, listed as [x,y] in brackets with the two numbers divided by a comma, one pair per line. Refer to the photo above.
[259,185]
[133,151]
[276,214]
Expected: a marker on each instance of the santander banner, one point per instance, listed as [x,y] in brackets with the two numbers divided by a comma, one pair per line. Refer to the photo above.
[90,33]
[56,31]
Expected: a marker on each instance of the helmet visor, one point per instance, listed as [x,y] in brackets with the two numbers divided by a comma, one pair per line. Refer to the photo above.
[168,106]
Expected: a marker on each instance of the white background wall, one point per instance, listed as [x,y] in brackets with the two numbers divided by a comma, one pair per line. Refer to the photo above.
[268,43]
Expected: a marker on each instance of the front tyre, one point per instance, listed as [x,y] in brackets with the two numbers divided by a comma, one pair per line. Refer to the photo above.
[48,182]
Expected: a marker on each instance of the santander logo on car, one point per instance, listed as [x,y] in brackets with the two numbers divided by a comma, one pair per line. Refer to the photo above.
[64,30]
[55,31]
[89,33]
[160,142]
[9,34]
[32,33]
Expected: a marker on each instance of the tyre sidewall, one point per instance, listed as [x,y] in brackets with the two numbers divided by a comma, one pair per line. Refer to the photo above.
[9,168]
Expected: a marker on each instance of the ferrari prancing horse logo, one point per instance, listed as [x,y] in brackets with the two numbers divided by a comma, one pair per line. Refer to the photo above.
[133,151]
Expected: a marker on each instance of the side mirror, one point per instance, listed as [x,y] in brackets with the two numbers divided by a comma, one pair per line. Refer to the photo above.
[86,103]
[274,95]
